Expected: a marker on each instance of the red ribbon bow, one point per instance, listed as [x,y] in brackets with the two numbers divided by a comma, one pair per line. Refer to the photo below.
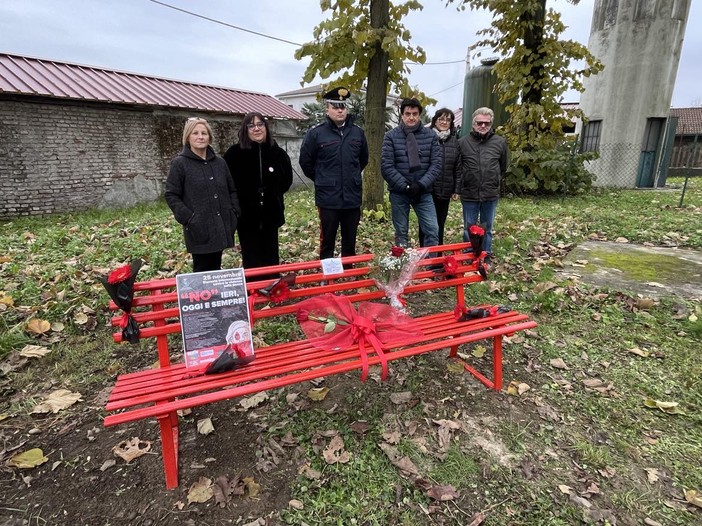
[331,323]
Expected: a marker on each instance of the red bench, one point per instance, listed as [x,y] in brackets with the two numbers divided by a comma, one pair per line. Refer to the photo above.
[161,392]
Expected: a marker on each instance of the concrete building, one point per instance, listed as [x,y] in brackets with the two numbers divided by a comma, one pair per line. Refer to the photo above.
[75,137]
[627,104]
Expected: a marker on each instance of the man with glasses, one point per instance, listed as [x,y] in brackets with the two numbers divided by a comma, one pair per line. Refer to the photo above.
[484,163]
[410,163]
[333,154]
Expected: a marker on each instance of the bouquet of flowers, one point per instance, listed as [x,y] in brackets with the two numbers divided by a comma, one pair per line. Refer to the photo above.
[394,271]
[120,286]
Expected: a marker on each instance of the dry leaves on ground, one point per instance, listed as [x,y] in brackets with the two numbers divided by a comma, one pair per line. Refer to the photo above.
[56,401]
[132,448]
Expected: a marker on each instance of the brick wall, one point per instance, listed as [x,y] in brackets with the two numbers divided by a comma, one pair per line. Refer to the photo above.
[63,157]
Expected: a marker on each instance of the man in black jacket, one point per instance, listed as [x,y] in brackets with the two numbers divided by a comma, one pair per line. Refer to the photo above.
[333,155]
[484,163]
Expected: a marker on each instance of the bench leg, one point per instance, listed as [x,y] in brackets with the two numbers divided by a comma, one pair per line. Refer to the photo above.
[497,362]
[169,445]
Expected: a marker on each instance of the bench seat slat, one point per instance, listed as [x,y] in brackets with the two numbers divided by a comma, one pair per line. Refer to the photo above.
[303,375]
[157,384]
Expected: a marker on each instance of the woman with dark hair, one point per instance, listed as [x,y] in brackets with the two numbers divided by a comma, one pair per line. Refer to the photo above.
[202,197]
[446,184]
[262,173]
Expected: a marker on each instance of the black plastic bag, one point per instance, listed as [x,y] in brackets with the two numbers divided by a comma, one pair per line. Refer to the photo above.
[119,284]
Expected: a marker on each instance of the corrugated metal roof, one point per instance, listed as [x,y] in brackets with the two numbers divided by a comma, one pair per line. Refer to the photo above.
[689,120]
[42,77]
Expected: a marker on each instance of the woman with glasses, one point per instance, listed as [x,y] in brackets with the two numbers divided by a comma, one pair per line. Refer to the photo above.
[446,184]
[202,196]
[262,173]
[483,164]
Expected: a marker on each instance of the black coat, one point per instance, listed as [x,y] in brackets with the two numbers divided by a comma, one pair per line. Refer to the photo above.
[262,174]
[483,163]
[202,196]
[334,158]
[446,184]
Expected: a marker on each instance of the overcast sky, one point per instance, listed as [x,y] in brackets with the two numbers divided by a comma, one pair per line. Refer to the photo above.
[142,36]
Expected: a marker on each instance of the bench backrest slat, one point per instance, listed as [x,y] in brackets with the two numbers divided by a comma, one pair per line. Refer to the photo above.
[155,304]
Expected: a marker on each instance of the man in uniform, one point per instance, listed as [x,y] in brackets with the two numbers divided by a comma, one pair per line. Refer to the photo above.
[334,154]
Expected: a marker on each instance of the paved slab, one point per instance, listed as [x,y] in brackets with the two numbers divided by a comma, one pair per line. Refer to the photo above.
[649,271]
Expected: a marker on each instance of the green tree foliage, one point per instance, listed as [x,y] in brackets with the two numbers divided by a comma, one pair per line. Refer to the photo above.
[366,43]
[535,70]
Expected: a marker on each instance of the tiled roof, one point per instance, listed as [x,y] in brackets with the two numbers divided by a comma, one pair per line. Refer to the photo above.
[48,78]
[689,120]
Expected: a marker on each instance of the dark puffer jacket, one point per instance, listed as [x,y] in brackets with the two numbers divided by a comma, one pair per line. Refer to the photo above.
[394,163]
[262,174]
[446,183]
[202,196]
[483,163]
[334,158]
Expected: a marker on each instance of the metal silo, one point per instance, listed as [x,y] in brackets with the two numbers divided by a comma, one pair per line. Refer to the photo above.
[479,91]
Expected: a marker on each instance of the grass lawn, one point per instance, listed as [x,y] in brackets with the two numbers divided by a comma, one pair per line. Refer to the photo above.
[587,434]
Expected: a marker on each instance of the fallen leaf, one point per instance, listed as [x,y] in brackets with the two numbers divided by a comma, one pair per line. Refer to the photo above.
[652,475]
[479,351]
[310,473]
[360,427]
[442,493]
[401,398]
[108,464]
[57,400]
[318,393]
[565,489]
[694,497]
[38,326]
[204,426]
[81,318]
[130,449]
[335,453]
[593,383]
[296,504]
[252,487]
[254,401]
[639,352]
[543,287]
[454,366]
[517,388]
[34,351]
[57,326]
[672,408]
[396,459]
[558,363]
[27,460]
[201,491]
[644,303]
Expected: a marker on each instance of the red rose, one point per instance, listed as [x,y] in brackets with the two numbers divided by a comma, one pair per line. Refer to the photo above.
[119,275]
[477,230]
[397,251]
[450,265]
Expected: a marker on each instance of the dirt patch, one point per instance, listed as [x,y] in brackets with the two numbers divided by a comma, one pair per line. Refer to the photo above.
[80,484]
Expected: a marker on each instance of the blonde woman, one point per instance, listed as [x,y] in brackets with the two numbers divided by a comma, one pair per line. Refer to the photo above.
[202,196]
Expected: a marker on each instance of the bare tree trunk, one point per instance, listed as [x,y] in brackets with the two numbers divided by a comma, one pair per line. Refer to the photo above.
[376,96]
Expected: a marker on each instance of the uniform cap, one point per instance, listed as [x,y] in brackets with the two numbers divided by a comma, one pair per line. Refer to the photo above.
[337,95]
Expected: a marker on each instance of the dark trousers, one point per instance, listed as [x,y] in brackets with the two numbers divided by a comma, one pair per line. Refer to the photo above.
[259,248]
[442,208]
[329,221]
[205,262]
